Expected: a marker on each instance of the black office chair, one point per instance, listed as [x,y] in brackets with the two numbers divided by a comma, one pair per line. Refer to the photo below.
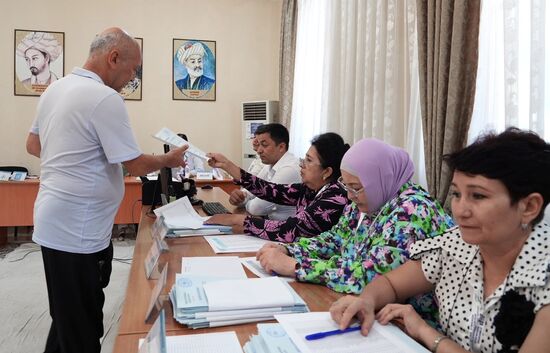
[13,169]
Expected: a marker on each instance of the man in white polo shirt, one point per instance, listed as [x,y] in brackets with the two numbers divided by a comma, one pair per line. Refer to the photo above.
[281,167]
[82,135]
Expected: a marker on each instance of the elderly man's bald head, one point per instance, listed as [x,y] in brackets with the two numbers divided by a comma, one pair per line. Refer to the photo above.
[110,39]
[115,57]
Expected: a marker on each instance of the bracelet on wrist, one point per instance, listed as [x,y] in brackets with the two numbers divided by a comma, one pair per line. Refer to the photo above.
[437,341]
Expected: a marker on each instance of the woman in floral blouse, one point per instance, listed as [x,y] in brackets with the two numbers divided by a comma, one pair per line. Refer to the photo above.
[388,214]
[319,199]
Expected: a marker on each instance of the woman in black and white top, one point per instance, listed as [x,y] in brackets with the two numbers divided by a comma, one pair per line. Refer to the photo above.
[491,274]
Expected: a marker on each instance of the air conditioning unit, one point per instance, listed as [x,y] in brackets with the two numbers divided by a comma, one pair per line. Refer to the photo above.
[255,114]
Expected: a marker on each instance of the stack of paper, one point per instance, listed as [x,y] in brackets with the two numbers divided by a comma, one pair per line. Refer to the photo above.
[179,218]
[235,243]
[156,341]
[211,292]
[271,338]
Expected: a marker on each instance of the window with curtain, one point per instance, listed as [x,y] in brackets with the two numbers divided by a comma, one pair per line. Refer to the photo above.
[356,73]
[514,68]
[513,79]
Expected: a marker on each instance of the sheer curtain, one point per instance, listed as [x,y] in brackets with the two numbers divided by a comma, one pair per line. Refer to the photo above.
[514,69]
[357,73]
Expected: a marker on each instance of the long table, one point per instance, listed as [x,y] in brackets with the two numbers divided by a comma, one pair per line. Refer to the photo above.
[138,293]
[16,208]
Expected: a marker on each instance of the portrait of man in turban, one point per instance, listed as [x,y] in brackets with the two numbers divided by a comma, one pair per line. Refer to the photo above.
[194,69]
[36,52]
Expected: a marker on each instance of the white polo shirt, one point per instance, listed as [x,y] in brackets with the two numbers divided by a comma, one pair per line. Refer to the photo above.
[85,134]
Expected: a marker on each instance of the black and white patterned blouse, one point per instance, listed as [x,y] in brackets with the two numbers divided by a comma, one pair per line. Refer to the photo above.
[456,270]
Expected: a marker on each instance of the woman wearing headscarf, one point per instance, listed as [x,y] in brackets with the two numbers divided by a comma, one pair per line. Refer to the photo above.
[387,215]
[491,274]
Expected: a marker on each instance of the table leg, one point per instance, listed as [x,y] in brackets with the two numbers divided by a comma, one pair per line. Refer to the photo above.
[3,236]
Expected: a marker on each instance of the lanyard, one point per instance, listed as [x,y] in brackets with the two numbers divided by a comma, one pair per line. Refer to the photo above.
[360,221]
[477,322]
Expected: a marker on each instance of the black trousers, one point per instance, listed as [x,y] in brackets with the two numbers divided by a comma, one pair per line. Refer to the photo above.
[75,292]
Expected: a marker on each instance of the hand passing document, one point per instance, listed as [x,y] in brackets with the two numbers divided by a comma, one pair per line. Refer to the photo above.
[171,138]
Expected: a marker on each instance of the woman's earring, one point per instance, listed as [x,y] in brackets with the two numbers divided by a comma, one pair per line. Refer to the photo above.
[524,226]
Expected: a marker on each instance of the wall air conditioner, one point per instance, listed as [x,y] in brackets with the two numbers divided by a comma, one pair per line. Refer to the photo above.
[255,114]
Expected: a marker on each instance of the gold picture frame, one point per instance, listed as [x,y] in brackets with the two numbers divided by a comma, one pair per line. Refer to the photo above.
[39,60]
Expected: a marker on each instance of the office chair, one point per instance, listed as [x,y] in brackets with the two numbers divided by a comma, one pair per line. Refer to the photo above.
[13,169]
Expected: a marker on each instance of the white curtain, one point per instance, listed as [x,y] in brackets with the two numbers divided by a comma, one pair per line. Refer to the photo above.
[513,76]
[514,68]
[357,74]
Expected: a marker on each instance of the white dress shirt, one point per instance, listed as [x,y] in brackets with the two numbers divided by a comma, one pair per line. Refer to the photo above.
[285,171]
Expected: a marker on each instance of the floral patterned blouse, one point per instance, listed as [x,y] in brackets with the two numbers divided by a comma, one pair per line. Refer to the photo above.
[349,256]
[316,212]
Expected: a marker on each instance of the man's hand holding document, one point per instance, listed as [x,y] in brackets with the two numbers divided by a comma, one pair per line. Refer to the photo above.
[171,138]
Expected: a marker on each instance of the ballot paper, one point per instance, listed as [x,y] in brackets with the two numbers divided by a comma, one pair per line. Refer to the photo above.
[171,138]
[271,338]
[250,293]
[235,243]
[222,267]
[216,342]
[256,268]
[181,218]
[381,339]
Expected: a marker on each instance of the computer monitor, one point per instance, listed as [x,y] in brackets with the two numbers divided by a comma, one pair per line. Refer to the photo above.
[165,179]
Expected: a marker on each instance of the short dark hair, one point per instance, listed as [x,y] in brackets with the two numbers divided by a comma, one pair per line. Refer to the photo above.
[330,148]
[277,132]
[519,159]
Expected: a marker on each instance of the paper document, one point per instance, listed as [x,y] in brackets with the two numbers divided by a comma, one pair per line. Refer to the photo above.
[254,266]
[226,267]
[180,214]
[235,243]
[248,293]
[217,342]
[171,138]
[271,338]
[381,339]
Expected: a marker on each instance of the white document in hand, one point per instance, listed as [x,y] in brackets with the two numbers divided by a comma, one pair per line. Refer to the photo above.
[171,138]
[227,267]
[381,339]
[248,293]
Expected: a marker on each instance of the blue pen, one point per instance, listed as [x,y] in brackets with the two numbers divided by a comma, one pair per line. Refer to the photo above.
[318,335]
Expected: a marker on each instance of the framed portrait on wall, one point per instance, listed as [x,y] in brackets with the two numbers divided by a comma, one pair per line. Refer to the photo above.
[194,70]
[39,60]
[132,90]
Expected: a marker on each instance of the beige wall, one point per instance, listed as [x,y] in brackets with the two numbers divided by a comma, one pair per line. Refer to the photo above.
[247,49]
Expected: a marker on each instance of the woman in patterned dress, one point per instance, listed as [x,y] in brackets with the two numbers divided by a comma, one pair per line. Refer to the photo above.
[319,199]
[491,274]
[388,214]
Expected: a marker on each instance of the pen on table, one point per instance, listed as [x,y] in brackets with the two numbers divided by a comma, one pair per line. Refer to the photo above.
[318,335]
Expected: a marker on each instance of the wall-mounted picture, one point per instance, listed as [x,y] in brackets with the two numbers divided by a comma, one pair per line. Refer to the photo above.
[39,60]
[132,90]
[194,70]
